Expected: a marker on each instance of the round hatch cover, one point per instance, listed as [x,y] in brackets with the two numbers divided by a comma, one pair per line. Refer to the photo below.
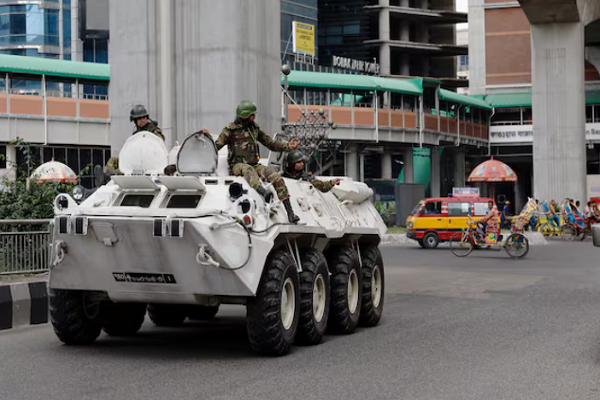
[143,154]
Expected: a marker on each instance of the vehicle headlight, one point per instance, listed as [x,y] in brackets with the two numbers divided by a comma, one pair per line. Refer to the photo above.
[410,224]
[78,192]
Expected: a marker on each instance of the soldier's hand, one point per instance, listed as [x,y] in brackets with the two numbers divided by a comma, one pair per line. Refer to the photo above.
[205,131]
[294,143]
[336,181]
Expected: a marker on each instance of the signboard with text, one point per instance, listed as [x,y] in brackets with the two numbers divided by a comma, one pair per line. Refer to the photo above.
[465,191]
[524,133]
[356,65]
[303,35]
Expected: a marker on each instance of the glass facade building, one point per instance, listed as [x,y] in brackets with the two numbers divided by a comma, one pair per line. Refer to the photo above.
[34,29]
[306,11]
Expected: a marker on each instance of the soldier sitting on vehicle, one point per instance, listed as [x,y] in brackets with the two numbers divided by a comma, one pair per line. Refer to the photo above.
[295,170]
[242,137]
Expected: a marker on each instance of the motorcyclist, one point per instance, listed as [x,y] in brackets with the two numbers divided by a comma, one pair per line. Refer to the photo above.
[295,170]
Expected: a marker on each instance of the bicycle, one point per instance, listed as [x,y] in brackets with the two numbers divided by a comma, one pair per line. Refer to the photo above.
[463,243]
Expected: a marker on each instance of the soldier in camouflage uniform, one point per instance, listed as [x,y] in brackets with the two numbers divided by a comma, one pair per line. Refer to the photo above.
[295,170]
[139,116]
[242,137]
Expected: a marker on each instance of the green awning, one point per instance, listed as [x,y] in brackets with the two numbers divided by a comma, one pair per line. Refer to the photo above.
[509,100]
[330,81]
[52,67]
[454,97]
[326,80]
[523,99]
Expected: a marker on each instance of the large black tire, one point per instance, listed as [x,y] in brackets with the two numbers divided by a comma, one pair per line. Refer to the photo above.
[373,285]
[431,240]
[124,319]
[271,331]
[167,314]
[314,298]
[344,266]
[74,320]
[202,313]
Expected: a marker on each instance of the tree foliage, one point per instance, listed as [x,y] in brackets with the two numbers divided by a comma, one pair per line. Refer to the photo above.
[23,198]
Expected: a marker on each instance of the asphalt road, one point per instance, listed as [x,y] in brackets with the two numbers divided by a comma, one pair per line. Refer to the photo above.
[484,327]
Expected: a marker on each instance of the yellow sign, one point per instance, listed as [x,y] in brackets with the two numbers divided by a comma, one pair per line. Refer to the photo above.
[304,38]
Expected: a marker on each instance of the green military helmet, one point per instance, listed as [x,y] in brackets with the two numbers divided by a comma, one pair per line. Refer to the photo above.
[245,109]
[295,156]
[138,111]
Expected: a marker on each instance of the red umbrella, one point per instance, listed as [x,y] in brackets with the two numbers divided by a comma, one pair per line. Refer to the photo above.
[492,171]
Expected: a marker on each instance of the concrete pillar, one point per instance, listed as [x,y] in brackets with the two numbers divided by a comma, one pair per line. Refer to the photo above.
[409,175]
[459,168]
[477,70]
[435,182]
[384,36]
[386,166]
[352,162]
[76,43]
[208,74]
[559,155]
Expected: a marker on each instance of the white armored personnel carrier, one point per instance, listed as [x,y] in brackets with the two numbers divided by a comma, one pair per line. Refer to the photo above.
[179,246]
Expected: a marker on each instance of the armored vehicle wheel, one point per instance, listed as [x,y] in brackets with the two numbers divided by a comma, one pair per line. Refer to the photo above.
[346,289]
[274,313]
[373,285]
[314,297]
[75,317]
[167,314]
[124,319]
[202,313]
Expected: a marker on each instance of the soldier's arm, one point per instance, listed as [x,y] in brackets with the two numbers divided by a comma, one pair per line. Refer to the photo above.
[322,186]
[279,145]
[223,138]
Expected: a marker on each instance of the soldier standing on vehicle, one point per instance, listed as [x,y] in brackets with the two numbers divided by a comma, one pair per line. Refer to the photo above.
[242,137]
[295,170]
[139,116]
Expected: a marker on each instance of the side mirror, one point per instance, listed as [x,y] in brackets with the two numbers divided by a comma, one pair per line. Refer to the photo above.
[596,234]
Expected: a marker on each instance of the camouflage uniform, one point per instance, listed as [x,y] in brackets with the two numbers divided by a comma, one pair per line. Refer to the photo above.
[307,176]
[242,138]
[150,127]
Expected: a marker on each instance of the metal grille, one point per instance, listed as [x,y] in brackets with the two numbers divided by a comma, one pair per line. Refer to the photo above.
[24,246]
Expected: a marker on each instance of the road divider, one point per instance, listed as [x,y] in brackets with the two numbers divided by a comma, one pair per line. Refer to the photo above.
[23,303]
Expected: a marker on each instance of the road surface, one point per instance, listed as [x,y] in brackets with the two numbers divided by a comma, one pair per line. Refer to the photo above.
[483,327]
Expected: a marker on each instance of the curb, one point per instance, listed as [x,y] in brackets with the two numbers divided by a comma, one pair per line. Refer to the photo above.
[23,304]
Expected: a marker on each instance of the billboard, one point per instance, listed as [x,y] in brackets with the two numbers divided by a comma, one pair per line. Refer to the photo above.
[303,35]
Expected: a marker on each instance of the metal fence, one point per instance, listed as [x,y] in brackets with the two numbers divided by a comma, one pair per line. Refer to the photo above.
[24,246]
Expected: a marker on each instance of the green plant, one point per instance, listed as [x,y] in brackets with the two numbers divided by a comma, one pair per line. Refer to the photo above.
[24,198]
[383,211]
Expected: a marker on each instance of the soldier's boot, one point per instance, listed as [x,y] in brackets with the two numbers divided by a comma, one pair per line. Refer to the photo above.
[266,194]
[293,218]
